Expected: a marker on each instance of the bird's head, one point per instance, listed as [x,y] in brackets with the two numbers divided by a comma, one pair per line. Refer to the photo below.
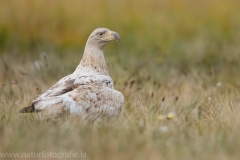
[102,36]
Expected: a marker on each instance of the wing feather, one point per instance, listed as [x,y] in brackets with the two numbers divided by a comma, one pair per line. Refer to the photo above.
[93,101]
[87,101]
[89,97]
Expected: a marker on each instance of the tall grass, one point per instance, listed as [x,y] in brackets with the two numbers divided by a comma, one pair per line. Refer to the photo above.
[175,56]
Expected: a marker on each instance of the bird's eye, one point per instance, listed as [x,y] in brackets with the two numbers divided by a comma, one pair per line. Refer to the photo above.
[100,34]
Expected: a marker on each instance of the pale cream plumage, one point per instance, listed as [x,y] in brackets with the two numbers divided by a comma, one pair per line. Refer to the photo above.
[88,92]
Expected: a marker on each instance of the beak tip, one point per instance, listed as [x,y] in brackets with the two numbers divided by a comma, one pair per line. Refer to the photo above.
[116,37]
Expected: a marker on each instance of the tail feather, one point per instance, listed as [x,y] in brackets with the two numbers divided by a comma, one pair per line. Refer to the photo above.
[28,109]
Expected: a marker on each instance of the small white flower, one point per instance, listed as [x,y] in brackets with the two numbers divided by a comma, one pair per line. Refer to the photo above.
[164,129]
[209,98]
[37,65]
[219,84]
[141,123]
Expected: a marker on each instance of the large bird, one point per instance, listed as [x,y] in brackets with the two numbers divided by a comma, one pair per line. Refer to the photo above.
[88,92]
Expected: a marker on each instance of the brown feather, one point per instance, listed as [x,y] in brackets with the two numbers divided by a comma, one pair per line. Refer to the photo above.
[27,109]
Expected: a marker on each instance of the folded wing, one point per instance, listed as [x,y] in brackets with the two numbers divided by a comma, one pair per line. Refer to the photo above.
[87,101]
[89,97]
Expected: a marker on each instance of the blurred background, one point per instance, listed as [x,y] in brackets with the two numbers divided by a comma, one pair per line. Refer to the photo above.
[188,30]
[178,34]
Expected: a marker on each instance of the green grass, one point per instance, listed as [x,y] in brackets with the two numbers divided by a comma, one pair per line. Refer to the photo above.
[174,56]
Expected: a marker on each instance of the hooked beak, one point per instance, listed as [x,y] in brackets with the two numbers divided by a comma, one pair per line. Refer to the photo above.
[112,36]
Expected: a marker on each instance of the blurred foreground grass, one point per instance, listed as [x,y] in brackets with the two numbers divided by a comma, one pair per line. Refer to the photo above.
[176,56]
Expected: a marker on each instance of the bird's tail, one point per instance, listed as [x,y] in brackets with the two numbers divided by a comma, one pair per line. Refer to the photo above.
[28,109]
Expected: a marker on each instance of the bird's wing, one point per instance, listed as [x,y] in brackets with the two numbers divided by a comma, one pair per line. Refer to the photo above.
[88,101]
[62,86]
[70,82]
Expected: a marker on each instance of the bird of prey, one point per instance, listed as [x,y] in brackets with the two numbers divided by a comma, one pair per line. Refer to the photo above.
[88,92]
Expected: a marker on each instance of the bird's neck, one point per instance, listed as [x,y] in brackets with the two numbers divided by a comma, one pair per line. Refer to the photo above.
[93,61]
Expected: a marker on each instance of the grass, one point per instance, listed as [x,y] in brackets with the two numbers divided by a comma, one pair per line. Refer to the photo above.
[174,56]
